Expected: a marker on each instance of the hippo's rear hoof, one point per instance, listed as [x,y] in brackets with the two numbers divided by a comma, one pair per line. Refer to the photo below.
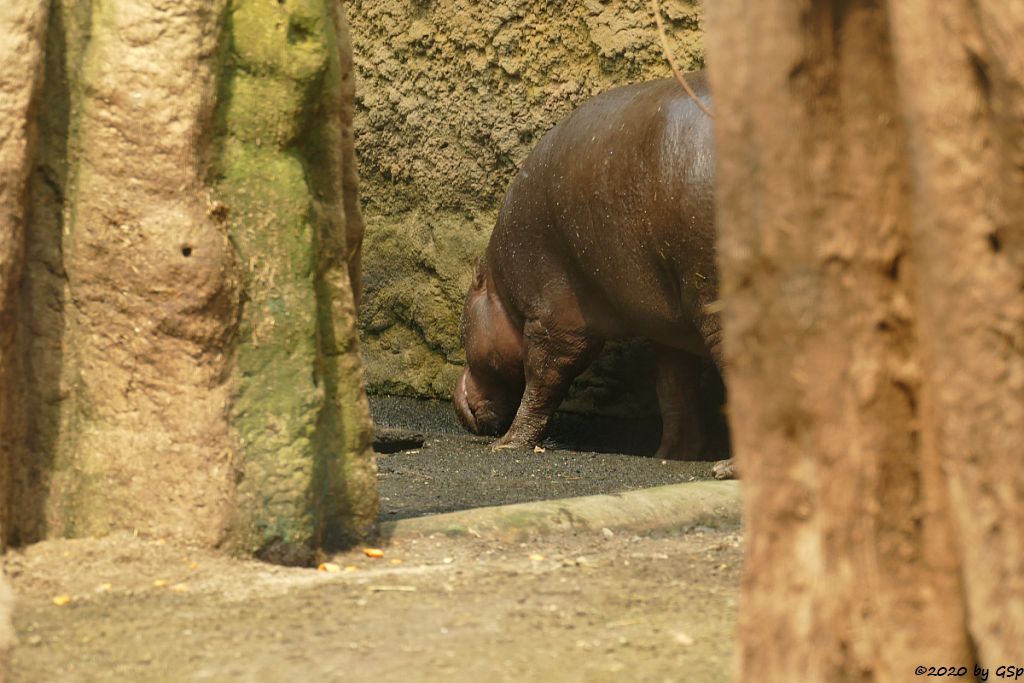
[724,469]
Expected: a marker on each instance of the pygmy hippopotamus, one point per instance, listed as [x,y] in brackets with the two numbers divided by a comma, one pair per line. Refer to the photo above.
[607,232]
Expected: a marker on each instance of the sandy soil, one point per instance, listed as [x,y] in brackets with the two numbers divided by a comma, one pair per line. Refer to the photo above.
[595,608]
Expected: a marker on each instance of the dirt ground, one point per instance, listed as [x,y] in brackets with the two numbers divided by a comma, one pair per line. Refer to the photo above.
[584,606]
[595,608]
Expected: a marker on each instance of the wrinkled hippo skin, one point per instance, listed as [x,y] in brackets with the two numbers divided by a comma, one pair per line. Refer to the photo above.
[607,232]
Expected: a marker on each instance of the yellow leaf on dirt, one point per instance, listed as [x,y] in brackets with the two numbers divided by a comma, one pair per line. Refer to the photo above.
[159,583]
[682,638]
[329,567]
[61,600]
[373,552]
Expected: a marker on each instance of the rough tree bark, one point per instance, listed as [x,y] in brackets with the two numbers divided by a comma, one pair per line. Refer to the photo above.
[282,170]
[22,23]
[177,282]
[962,77]
[872,252]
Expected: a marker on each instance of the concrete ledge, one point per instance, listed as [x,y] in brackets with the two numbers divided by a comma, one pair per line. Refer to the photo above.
[658,509]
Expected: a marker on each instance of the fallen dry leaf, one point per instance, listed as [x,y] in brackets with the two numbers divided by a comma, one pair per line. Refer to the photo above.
[373,552]
[329,567]
[61,600]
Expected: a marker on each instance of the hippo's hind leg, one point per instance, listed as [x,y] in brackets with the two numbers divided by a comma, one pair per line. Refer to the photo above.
[552,359]
[678,376]
[710,327]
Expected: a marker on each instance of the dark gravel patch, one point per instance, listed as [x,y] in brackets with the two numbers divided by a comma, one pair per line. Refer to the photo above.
[454,470]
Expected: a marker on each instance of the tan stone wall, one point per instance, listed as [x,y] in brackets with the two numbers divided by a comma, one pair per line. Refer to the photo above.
[451,97]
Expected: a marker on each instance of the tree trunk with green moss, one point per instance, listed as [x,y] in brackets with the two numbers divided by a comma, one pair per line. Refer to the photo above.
[187,314]
[282,170]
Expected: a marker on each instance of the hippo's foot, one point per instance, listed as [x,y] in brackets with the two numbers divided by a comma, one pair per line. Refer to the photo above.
[725,469]
[551,361]
[511,440]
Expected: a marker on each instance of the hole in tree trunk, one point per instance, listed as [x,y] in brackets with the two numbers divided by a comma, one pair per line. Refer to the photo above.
[894,267]
[994,243]
[981,75]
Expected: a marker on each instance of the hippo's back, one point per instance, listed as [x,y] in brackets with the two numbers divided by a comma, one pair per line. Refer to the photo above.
[610,221]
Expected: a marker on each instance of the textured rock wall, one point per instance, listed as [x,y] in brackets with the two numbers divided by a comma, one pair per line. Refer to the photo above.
[451,97]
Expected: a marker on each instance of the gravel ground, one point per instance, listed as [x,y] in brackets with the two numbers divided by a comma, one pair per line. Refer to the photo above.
[453,470]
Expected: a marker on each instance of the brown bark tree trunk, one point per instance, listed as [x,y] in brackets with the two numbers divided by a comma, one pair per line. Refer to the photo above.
[873,322]
[22,23]
[152,282]
[961,68]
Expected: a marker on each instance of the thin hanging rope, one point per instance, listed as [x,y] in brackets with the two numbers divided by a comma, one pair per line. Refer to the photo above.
[656,5]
